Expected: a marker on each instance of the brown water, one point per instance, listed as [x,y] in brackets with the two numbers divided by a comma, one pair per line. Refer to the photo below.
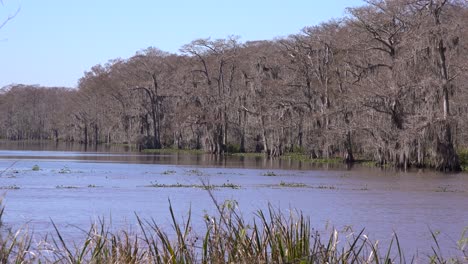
[111,183]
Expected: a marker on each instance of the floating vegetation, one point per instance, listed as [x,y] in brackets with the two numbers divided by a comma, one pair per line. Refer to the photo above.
[10,187]
[270,173]
[230,185]
[93,186]
[64,170]
[36,168]
[292,184]
[66,187]
[199,186]
[195,172]
[445,188]
[167,172]
[326,187]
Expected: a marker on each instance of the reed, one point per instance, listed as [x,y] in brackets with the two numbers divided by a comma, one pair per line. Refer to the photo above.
[271,236]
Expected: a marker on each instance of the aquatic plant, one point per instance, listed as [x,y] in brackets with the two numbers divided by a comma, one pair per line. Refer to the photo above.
[292,184]
[270,173]
[326,187]
[230,185]
[167,172]
[35,168]
[195,172]
[10,187]
[66,187]
[200,186]
[271,236]
[64,170]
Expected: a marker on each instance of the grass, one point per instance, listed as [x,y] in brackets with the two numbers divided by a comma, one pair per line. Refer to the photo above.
[271,236]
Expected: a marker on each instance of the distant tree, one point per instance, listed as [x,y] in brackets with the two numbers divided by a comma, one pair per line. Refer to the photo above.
[213,63]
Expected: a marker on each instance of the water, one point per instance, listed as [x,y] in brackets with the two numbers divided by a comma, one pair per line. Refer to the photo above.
[74,188]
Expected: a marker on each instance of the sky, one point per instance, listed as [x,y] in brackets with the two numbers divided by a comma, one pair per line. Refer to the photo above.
[53,42]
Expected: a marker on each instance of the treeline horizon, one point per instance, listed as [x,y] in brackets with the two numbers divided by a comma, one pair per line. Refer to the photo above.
[387,83]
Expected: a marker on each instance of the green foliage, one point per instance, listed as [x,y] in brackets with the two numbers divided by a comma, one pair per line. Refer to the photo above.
[36,168]
[463,156]
[233,148]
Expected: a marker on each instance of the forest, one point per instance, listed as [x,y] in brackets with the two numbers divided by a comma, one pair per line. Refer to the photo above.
[388,82]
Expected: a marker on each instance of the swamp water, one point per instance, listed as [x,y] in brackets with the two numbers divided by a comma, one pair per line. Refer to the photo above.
[75,188]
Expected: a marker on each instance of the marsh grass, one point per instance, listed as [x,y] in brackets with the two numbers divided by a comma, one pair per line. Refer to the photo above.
[271,236]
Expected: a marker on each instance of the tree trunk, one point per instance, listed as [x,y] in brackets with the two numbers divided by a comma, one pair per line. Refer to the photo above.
[446,156]
[86,135]
[349,158]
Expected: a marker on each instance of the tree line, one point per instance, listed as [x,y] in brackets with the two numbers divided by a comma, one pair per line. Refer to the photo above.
[388,82]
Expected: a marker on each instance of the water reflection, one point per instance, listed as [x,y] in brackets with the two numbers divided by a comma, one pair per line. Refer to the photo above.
[47,150]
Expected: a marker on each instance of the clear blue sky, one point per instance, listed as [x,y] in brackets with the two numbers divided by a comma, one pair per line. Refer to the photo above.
[52,42]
